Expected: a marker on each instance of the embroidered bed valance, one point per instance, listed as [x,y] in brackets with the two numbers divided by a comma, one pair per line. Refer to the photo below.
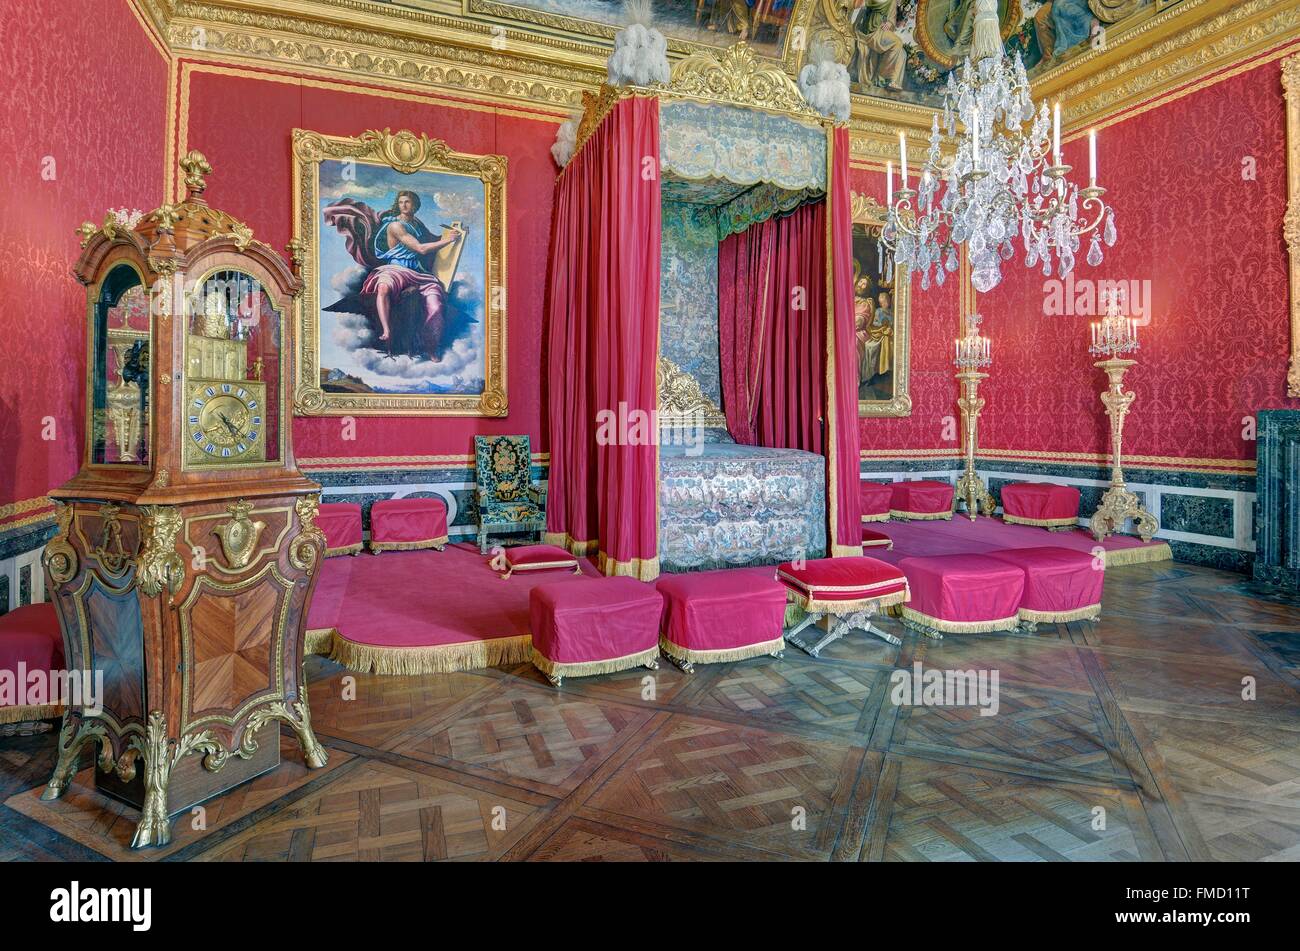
[699,142]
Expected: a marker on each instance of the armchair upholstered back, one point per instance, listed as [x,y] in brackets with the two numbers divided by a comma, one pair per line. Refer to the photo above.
[507,498]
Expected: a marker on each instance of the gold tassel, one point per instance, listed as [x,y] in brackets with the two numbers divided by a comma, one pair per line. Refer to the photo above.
[436,659]
[1138,555]
[35,711]
[960,627]
[592,667]
[720,656]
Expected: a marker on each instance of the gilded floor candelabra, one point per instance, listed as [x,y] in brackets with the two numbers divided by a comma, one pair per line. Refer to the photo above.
[973,352]
[1113,336]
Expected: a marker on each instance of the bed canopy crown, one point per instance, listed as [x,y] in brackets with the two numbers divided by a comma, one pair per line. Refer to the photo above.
[665,181]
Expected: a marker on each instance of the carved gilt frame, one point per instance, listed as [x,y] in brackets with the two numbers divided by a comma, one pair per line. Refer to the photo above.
[407,153]
[1291,221]
[870,215]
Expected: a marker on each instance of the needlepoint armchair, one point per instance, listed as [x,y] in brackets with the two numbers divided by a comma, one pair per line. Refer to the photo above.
[507,499]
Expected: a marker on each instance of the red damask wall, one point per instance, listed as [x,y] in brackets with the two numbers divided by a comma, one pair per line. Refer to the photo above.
[82,122]
[1199,188]
[242,121]
[933,391]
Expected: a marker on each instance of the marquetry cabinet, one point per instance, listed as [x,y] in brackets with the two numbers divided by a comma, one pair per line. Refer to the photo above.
[187,550]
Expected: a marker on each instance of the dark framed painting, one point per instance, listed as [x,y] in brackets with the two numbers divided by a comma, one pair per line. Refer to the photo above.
[881,318]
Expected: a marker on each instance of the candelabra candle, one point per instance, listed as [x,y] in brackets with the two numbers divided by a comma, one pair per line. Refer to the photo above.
[972,351]
[1114,335]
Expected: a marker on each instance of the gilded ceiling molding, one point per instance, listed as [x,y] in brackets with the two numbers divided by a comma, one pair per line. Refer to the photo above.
[503,55]
[1216,43]
[1291,220]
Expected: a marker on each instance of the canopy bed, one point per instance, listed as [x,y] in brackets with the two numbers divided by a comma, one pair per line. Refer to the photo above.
[700,341]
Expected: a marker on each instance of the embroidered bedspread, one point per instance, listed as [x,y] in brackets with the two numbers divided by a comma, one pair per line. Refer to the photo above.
[733,506]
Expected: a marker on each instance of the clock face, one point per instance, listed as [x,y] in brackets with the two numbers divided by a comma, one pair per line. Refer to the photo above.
[224,423]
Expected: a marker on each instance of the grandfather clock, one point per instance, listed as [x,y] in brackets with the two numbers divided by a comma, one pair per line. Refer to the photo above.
[186,552]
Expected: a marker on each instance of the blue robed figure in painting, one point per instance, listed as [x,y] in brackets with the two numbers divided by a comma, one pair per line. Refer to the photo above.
[398,250]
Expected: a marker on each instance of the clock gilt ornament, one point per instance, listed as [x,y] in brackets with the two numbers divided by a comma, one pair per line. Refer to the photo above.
[187,550]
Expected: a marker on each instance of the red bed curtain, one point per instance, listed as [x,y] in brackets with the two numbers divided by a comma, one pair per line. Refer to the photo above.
[772,330]
[603,345]
[788,380]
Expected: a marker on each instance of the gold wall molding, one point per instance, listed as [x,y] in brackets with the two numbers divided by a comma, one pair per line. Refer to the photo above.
[1291,220]
[380,54]
[1179,50]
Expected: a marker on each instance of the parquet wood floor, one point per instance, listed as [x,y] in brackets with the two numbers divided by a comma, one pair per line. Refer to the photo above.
[1133,738]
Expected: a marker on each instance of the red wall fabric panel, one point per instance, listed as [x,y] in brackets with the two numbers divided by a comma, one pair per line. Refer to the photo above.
[251,179]
[82,122]
[1199,190]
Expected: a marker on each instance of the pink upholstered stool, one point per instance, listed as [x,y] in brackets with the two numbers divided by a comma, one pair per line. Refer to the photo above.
[1061,584]
[715,616]
[401,524]
[341,523]
[921,500]
[30,640]
[846,592]
[594,626]
[1054,507]
[876,497]
[962,594]
[537,558]
[874,539]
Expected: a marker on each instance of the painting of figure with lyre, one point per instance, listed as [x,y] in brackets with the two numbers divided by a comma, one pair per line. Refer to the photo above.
[873,318]
[402,280]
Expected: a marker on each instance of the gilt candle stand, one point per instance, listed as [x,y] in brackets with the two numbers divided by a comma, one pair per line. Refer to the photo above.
[1113,336]
[973,352]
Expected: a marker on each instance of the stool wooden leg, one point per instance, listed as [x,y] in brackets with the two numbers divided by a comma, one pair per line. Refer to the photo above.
[652,663]
[555,679]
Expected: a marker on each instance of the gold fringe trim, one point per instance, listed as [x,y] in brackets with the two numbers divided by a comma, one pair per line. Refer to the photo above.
[343,550]
[318,640]
[438,543]
[569,543]
[1138,555]
[919,516]
[643,569]
[592,667]
[435,659]
[882,517]
[960,627]
[1039,522]
[846,551]
[885,543]
[1048,617]
[720,656]
[848,607]
[35,711]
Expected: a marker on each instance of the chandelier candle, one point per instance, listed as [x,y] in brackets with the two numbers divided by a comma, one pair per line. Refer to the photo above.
[991,192]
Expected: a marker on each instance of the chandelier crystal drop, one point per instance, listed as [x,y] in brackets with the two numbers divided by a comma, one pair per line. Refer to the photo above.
[1004,181]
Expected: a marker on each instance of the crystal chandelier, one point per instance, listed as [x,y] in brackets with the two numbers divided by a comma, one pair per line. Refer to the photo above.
[1004,179]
